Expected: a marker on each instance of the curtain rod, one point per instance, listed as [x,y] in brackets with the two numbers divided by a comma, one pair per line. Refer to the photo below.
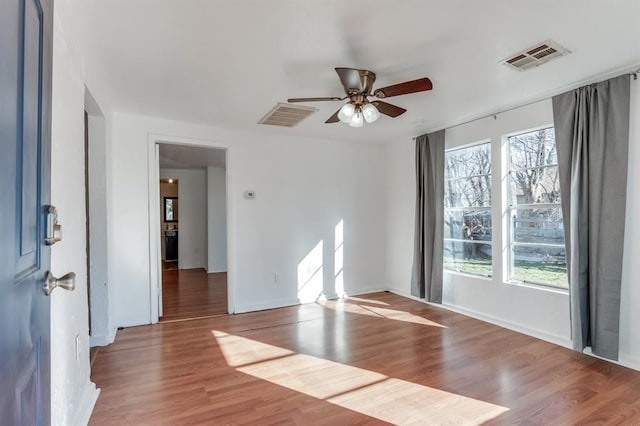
[633,73]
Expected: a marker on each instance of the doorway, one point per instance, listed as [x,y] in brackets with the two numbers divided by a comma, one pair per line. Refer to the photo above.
[96,235]
[193,232]
[169,222]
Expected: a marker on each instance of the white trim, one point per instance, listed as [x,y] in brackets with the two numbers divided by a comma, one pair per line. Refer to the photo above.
[624,360]
[263,306]
[629,361]
[87,403]
[365,291]
[215,271]
[155,253]
[154,216]
[103,340]
[539,334]
[405,294]
[283,303]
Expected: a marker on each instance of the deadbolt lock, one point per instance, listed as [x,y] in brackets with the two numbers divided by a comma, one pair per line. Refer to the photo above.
[54,230]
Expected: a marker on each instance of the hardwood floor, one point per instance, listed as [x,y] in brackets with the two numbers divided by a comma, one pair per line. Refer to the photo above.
[192,293]
[373,359]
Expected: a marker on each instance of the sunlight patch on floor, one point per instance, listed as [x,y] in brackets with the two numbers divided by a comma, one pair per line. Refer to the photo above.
[363,300]
[239,351]
[367,392]
[375,311]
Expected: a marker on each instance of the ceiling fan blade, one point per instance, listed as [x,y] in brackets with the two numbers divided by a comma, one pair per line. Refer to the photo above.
[332,98]
[334,118]
[350,79]
[419,85]
[388,109]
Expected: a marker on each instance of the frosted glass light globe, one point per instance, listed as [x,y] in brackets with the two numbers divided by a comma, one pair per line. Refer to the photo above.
[346,113]
[357,119]
[370,113]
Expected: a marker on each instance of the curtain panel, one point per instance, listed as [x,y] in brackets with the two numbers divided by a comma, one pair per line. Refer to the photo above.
[426,275]
[592,138]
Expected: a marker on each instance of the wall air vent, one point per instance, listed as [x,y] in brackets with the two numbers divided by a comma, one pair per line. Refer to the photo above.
[286,115]
[536,55]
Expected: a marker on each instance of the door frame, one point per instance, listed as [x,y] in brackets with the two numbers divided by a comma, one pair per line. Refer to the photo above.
[155,254]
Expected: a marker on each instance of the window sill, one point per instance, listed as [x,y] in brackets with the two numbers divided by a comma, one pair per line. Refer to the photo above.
[469,275]
[542,287]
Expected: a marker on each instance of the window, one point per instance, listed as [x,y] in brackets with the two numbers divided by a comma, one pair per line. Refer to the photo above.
[537,252]
[467,212]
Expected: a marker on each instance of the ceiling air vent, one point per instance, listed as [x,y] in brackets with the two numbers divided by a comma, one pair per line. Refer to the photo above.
[286,115]
[536,55]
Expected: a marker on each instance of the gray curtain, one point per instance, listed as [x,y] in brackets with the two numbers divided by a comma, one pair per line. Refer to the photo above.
[592,138]
[426,276]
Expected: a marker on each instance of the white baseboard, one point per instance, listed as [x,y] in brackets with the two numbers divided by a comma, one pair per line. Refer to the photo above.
[539,334]
[103,340]
[216,271]
[624,360]
[281,303]
[261,306]
[629,361]
[88,402]
[405,294]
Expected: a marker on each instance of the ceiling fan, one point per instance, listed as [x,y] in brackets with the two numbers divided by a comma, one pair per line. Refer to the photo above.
[358,86]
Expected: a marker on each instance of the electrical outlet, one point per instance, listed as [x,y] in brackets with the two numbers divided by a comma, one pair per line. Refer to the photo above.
[276,278]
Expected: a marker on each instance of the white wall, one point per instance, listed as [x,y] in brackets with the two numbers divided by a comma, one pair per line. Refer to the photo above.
[630,294]
[540,312]
[217,219]
[304,187]
[73,395]
[192,216]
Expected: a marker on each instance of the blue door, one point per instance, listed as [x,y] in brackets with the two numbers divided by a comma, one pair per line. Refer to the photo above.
[25,127]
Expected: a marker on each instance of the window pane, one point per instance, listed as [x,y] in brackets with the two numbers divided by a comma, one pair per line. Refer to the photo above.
[468,225]
[537,185]
[538,226]
[540,265]
[468,192]
[471,161]
[468,186]
[533,149]
[471,257]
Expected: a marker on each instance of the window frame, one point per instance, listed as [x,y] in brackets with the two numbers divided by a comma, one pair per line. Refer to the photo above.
[512,209]
[489,208]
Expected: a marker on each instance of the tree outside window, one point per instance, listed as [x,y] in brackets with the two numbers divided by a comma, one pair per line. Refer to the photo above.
[467,215]
[536,231]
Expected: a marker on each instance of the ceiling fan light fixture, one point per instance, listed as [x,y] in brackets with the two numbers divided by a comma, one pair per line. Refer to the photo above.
[370,113]
[358,88]
[346,112]
[357,120]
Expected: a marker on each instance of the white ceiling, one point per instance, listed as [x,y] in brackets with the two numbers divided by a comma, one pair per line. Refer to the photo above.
[227,63]
[189,157]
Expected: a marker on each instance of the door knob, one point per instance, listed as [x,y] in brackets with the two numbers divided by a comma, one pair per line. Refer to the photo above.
[67,282]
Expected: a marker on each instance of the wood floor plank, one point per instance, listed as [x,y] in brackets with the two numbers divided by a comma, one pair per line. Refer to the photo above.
[375,359]
[192,293]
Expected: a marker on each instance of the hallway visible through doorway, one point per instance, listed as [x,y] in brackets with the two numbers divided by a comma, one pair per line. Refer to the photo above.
[192,293]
